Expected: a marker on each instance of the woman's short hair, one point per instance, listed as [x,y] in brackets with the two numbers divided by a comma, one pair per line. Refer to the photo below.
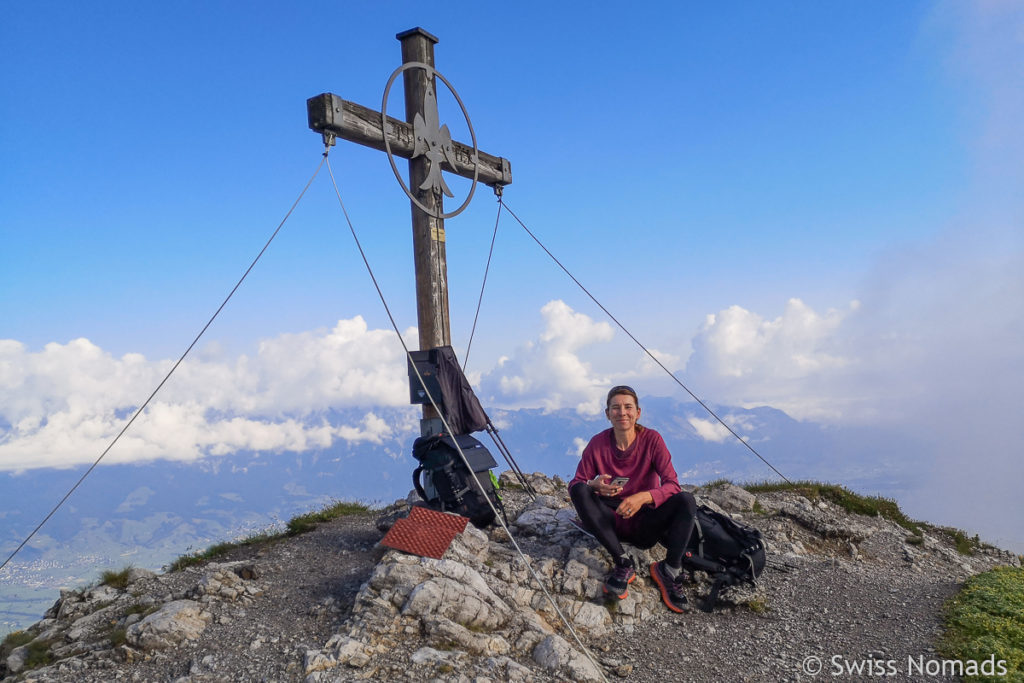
[622,389]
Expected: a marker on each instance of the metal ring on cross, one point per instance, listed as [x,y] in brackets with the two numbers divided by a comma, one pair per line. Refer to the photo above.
[431,71]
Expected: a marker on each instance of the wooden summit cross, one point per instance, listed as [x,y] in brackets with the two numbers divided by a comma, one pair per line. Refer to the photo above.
[428,146]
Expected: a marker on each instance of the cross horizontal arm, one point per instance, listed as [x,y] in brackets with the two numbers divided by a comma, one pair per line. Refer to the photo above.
[328,113]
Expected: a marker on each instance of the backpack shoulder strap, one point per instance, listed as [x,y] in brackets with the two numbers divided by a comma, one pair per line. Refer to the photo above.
[416,482]
[709,604]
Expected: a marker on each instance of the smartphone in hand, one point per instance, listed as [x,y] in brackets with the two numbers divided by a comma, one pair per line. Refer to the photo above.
[619,481]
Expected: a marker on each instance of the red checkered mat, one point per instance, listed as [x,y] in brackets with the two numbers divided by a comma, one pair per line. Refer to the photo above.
[442,519]
[425,532]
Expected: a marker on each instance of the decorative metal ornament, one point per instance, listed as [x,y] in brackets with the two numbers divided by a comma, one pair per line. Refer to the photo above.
[432,140]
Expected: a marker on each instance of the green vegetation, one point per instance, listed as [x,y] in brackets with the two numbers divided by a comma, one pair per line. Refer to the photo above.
[757,606]
[964,545]
[987,618]
[118,636]
[844,498]
[716,483]
[219,550]
[16,639]
[38,654]
[307,522]
[117,579]
[866,505]
[140,609]
[297,525]
[135,609]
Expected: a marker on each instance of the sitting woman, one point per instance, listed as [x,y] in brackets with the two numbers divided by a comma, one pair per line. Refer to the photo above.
[626,489]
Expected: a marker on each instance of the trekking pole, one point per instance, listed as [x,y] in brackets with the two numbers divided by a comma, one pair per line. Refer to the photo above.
[507,454]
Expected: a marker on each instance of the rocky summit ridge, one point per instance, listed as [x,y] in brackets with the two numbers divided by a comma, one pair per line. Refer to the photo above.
[335,605]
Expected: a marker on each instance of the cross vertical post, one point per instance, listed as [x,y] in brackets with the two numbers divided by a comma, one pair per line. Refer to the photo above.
[428,240]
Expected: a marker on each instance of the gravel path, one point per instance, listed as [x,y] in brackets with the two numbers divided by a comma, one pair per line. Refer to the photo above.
[864,616]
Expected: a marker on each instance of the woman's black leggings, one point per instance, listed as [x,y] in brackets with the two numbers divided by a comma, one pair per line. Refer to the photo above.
[670,524]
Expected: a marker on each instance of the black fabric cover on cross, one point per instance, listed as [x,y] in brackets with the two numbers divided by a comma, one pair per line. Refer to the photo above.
[461,406]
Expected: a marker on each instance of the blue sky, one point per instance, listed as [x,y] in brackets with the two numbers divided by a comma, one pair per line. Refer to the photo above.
[766,150]
[814,206]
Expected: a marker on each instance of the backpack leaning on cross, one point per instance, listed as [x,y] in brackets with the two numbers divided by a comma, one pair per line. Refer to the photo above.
[729,552]
[444,483]
[441,477]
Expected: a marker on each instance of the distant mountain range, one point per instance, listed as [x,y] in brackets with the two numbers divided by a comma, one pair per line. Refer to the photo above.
[148,514]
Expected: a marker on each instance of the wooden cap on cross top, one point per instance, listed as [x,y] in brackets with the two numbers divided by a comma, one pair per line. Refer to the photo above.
[417,31]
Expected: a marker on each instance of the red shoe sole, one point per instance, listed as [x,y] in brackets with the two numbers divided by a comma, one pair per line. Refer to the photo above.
[656,576]
[625,593]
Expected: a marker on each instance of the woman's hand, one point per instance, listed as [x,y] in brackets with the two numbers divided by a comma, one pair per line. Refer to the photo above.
[603,488]
[631,505]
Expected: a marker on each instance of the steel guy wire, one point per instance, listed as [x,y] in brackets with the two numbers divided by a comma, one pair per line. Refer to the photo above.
[638,343]
[171,371]
[480,300]
[462,455]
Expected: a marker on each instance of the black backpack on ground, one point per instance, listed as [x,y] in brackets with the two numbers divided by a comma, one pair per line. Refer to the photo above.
[731,553]
[444,483]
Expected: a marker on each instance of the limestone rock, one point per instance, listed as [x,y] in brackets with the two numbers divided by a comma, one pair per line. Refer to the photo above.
[506,669]
[174,622]
[469,604]
[396,511]
[225,581]
[16,660]
[315,661]
[731,498]
[428,655]
[555,654]
[445,631]
[543,485]
[825,522]
[138,574]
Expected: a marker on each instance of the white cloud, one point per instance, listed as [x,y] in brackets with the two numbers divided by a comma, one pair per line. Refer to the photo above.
[742,358]
[709,430]
[374,430]
[738,343]
[646,367]
[549,372]
[348,365]
[64,404]
[939,326]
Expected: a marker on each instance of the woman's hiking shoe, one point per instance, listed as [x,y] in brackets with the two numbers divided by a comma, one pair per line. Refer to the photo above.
[618,581]
[671,589]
